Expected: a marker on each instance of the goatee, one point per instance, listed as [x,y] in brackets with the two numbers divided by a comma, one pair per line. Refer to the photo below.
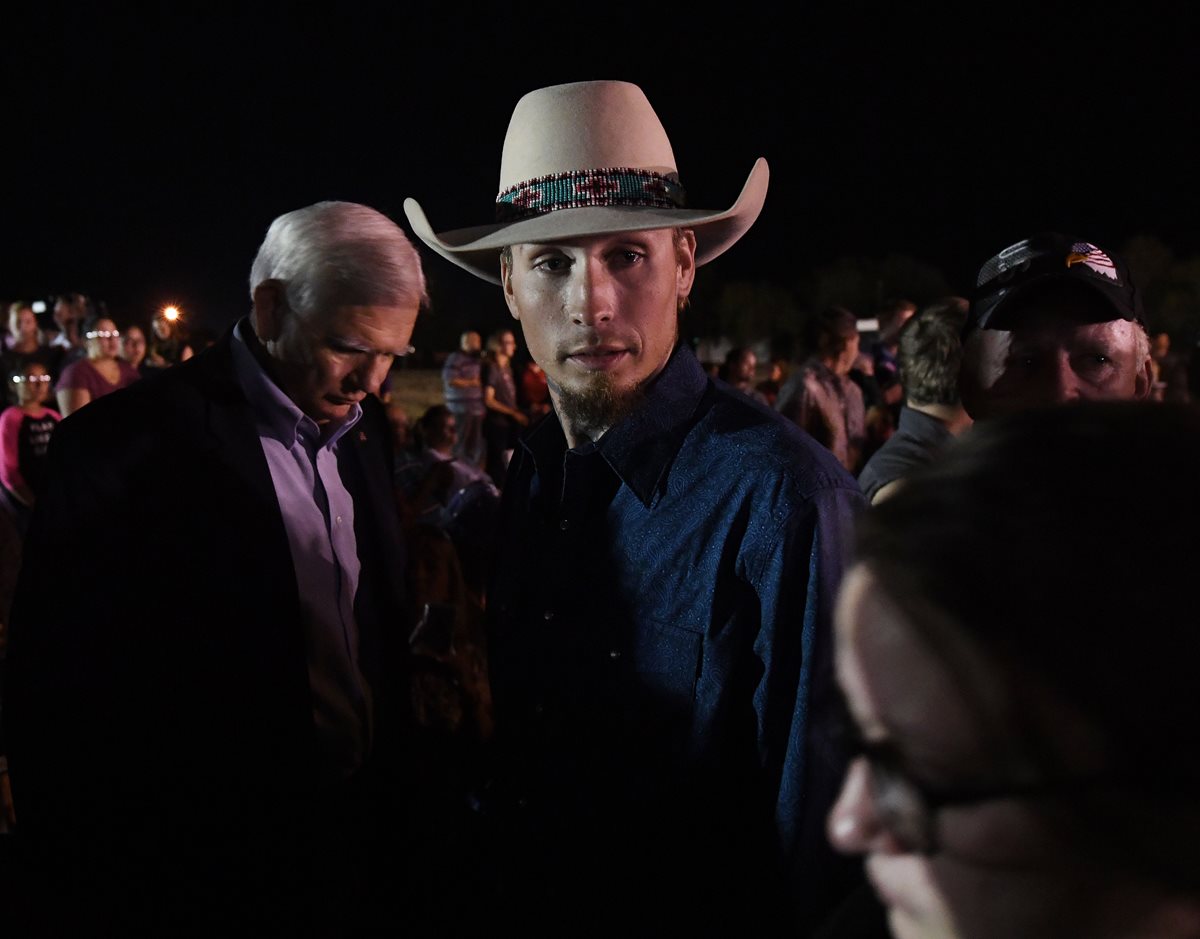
[599,406]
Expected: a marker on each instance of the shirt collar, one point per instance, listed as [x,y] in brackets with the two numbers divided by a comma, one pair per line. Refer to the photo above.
[641,447]
[277,414]
[824,372]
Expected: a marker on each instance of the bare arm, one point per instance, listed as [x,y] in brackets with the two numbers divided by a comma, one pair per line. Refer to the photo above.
[72,399]
[492,403]
[10,467]
[886,491]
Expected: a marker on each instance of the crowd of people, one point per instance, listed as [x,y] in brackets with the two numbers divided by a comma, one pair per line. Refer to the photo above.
[55,366]
[52,366]
[888,640]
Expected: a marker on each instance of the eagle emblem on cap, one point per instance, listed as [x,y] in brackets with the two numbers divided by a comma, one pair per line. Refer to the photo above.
[1090,256]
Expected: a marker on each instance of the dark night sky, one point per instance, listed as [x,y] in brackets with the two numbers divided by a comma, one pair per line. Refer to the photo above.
[148,152]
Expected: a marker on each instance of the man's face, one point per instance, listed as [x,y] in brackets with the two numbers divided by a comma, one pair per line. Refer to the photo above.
[600,312]
[471,343]
[1060,349]
[330,361]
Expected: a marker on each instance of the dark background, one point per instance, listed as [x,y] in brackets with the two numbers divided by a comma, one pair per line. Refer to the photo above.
[148,148]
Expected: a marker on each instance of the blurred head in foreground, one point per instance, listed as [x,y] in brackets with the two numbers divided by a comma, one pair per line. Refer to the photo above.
[1020,673]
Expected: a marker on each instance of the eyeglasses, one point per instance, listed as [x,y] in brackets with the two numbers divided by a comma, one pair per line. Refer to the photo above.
[908,808]
[102,334]
[20,379]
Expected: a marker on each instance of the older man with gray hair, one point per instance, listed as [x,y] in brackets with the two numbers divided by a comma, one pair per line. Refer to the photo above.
[190,750]
[1054,320]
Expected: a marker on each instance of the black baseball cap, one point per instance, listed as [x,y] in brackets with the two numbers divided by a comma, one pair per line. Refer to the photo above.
[1045,258]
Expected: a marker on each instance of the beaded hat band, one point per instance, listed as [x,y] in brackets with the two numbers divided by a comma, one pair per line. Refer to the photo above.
[611,186]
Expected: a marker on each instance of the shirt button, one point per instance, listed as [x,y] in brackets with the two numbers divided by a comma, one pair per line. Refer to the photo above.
[614,654]
[548,615]
[339,520]
[564,524]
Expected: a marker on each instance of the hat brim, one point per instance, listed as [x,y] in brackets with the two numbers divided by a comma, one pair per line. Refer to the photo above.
[477,249]
[998,313]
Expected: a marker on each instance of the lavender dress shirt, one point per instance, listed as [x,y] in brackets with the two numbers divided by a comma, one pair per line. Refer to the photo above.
[318,513]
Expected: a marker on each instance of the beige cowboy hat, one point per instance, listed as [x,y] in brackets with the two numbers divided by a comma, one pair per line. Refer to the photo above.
[588,158]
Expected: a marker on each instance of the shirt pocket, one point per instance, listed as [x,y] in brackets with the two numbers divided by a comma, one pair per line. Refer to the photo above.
[666,659]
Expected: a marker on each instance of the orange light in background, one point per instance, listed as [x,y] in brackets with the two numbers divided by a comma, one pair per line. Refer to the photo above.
[171,313]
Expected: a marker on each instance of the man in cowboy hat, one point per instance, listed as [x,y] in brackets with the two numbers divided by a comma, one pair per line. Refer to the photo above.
[659,612]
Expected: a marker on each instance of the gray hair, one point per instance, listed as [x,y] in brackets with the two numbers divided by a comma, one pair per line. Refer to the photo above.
[339,254]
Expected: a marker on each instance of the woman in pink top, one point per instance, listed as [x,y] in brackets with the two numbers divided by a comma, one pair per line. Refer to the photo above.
[98,374]
[25,430]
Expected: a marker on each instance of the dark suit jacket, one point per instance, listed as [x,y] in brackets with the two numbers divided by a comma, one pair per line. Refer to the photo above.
[157,702]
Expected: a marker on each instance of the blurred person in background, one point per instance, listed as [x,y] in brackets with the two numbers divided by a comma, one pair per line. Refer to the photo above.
[436,433]
[820,396]
[458,498]
[738,372]
[893,314]
[25,430]
[401,425]
[1021,687]
[1170,371]
[777,373]
[929,355]
[462,387]
[133,346]
[876,373]
[23,332]
[101,372]
[69,312]
[168,344]
[504,418]
[24,343]
[534,392]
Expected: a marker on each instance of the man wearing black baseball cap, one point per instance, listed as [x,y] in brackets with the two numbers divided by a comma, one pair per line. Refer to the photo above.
[1053,319]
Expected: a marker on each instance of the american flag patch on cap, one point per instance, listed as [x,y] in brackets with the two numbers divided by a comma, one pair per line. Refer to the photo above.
[1090,256]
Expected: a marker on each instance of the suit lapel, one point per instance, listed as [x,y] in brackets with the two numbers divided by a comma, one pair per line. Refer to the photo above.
[366,459]
[230,424]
